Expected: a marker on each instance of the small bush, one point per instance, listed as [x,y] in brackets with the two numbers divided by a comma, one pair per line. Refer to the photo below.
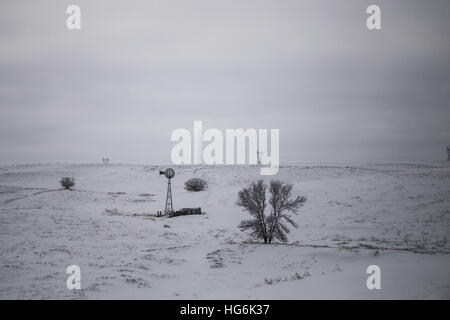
[67,183]
[195,184]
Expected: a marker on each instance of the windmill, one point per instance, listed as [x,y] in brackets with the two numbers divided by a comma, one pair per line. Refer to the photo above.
[169,173]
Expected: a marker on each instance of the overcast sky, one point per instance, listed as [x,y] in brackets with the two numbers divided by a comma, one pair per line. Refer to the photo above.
[137,70]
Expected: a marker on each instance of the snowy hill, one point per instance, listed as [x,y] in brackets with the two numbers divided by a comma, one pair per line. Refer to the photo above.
[395,216]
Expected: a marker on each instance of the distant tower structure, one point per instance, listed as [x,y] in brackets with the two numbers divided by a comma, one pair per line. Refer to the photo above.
[448,153]
[169,173]
[259,152]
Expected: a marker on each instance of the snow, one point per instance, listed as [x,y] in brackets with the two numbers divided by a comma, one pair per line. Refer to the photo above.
[396,216]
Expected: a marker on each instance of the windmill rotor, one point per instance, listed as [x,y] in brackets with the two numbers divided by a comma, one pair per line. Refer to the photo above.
[169,173]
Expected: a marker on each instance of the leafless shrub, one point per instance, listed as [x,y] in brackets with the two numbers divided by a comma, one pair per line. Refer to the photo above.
[67,182]
[195,184]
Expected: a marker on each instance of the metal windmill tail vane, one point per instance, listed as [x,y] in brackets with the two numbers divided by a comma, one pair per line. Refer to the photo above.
[169,173]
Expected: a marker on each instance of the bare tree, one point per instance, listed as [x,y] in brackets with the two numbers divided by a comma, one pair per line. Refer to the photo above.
[273,226]
[282,205]
[253,200]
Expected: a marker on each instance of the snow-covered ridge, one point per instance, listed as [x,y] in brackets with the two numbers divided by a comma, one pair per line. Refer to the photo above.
[393,215]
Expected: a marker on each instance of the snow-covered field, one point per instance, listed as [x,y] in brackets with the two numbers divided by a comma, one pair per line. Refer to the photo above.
[396,216]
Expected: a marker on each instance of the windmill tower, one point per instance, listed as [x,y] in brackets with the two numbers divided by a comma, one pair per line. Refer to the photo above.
[169,173]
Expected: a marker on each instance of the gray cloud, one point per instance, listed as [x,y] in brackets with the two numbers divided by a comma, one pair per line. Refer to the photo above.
[139,69]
